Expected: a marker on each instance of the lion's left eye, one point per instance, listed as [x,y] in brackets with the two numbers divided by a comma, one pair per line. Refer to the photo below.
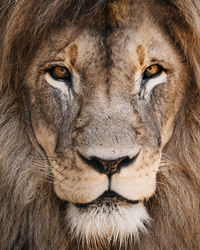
[60,73]
[152,71]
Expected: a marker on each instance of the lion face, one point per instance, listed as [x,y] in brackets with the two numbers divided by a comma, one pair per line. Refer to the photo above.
[103,108]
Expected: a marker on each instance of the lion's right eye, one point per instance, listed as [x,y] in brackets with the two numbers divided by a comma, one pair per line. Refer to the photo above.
[60,73]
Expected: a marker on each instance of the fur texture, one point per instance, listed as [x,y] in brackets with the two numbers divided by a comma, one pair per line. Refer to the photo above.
[31,215]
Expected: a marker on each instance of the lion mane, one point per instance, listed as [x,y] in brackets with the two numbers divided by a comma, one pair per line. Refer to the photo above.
[31,215]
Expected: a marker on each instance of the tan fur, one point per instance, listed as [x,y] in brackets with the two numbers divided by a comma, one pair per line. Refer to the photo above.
[43,123]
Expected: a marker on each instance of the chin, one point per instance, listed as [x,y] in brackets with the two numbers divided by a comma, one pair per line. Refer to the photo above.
[108,219]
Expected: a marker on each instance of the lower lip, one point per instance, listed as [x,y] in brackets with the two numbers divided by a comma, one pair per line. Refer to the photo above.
[109,197]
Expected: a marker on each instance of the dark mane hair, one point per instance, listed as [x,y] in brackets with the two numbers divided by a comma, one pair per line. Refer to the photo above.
[25,24]
[30,213]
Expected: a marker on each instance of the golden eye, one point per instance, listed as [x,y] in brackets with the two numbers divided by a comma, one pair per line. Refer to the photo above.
[60,73]
[153,70]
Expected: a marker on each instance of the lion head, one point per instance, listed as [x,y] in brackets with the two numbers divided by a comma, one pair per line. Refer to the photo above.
[100,125]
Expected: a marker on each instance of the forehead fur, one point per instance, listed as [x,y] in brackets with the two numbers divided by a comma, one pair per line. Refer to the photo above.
[115,13]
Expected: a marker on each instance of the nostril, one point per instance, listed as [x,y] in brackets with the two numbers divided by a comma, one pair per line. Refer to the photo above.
[128,161]
[93,162]
[108,167]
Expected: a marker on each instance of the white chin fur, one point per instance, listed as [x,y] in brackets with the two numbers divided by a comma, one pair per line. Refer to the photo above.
[104,223]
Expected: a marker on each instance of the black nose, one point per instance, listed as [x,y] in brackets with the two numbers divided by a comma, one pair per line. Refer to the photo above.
[109,167]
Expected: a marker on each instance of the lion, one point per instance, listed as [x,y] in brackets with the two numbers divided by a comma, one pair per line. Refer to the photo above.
[99,124]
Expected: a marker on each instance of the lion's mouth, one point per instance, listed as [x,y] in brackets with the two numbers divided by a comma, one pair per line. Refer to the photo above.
[108,198]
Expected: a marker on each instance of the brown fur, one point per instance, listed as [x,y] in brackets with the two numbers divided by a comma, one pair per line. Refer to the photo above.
[31,215]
